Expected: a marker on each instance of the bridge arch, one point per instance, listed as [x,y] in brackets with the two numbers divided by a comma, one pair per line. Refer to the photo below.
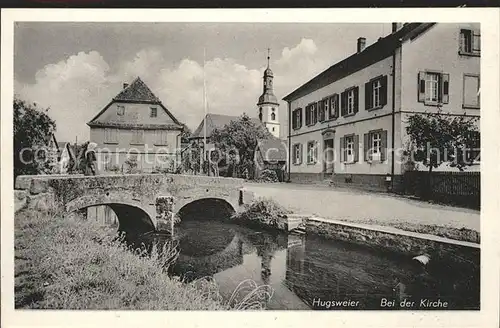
[133,217]
[209,207]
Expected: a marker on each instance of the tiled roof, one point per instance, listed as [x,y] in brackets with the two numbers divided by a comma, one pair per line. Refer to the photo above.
[381,49]
[216,121]
[137,91]
[272,149]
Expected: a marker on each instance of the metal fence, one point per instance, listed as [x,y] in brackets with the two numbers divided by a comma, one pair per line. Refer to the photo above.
[457,188]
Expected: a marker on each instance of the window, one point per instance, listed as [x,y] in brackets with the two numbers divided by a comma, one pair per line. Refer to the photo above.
[260,114]
[297,119]
[312,152]
[375,143]
[471,91]
[433,88]
[349,149]
[137,137]
[297,154]
[161,137]
[120,110]
[311,114]
[349,101]
[110,136]
[334,106]
[273,129]
[470,42]
[321,112]
[326,108]
[376,93]
[273,115]
[153,112]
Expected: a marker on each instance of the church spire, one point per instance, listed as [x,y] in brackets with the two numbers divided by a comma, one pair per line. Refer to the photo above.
[268,56]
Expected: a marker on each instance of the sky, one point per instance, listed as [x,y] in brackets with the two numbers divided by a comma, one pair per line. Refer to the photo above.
[75,69]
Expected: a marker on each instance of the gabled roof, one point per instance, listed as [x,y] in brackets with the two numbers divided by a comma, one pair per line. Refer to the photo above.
[381,49]
[137,91]
[273,149]
[215,121]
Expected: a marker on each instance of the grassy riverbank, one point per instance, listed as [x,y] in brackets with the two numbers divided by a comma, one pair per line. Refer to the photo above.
[74,264]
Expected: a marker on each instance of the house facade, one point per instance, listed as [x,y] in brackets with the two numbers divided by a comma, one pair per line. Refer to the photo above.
[135,127]
[344,122]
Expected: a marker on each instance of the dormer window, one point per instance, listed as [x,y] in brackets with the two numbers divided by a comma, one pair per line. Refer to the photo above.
[153,112]
[120,110]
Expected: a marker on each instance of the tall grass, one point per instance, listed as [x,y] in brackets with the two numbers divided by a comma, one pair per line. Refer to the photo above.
[72,263]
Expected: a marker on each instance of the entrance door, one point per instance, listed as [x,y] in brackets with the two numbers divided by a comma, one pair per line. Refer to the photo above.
[328,157]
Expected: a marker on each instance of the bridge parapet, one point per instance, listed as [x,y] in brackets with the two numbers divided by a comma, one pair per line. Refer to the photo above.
[141,191]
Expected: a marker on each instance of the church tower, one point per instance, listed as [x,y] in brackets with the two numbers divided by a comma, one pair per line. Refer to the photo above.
[268,103]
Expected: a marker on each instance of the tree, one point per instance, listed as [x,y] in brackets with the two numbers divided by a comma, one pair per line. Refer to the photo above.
[191,158]
[186,133]
[32,128]
[437,138]
[237,141]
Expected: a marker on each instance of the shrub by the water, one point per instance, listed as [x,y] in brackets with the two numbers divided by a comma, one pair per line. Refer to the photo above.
[72,263]
[264,212]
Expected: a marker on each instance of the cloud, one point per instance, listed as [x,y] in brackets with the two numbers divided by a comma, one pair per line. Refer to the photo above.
[77,88]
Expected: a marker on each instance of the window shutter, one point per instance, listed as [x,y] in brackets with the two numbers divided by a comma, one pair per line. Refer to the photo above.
[476,41]
[315,113]
[356,99]
[383,91]
[315,152]
[343,151]
[366,146]
[383,146]
[336,101]
[300,154]
[343,103]
[445,79]
[421,87]
[356,148]
[368,95]
[300,117]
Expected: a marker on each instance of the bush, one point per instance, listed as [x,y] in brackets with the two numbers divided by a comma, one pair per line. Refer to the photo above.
[268,176]
[264,212]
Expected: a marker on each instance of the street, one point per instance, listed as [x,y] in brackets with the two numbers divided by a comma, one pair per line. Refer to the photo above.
[360,206]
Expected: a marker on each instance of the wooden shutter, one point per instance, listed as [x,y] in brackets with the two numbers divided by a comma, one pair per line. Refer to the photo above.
[383,146]
[336,101]
[308,114]
[356,148]
[476,41]
[356,99]
[383,91]
[343,103]
[368,95]
[343,151]
[445,80]
[421,86]
[366,146]
[314,113]
[300,154]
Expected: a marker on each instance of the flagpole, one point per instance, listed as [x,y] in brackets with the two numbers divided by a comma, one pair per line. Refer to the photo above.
[205,111]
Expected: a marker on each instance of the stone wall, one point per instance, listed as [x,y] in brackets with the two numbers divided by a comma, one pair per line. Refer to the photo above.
[395,240]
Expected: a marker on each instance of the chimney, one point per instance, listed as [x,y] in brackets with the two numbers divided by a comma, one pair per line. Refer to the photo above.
[361,44]
[397,26]
[125,85]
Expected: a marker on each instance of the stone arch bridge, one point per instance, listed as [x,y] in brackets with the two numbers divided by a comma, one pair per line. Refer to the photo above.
[142,202]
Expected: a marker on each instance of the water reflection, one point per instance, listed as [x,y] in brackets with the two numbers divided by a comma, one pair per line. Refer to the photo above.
[307,271]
